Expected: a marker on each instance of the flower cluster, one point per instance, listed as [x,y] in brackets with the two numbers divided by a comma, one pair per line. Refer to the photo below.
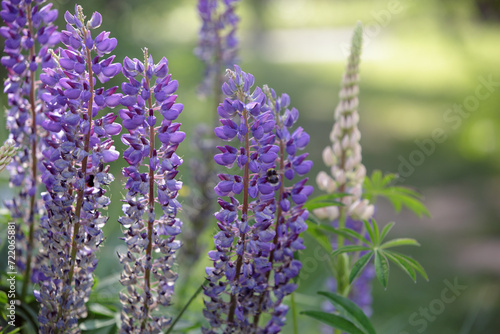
[217,46]
[253,262]
[343,156]
[76,170]
[148,274]
[28,33]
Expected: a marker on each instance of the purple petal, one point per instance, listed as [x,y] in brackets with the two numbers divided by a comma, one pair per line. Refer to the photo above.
[110,155]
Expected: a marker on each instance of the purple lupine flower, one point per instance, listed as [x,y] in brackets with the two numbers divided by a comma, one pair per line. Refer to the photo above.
[76,169]
[217,46]
[149,117]
[28,33]
[253,256]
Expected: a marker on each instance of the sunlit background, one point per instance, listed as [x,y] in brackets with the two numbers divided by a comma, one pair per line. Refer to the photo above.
[426,113]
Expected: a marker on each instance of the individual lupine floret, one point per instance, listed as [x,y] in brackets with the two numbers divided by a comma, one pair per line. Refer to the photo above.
[76,162]
[343,156]
[148,274]
[253,260]
[217,46]
[28,33]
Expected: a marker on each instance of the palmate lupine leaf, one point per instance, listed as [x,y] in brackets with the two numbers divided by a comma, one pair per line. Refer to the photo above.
[378,185]
[379,249]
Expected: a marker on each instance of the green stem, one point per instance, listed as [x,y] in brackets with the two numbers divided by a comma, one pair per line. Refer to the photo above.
[193,297]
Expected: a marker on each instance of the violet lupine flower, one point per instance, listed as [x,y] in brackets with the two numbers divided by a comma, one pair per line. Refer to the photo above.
[217,47]
[76,169]
[28,33]
[149,116]
[343,156]
[261,217]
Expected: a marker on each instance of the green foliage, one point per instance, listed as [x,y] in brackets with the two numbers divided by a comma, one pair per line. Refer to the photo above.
[378,185]
[324,201]
[351,320]
[377,248]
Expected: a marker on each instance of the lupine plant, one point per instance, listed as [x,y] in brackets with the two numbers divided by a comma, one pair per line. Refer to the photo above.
[355,235]
[253,261]
[62,117]
[29,33]
[148,117]
[79,149]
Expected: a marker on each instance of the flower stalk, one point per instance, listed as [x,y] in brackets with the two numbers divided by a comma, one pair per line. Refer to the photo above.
[259,235]
[148,275]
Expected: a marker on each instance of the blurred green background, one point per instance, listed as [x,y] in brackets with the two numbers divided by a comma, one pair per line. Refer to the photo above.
[422,61]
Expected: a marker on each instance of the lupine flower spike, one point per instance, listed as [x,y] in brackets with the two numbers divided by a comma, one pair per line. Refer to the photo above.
[28,34]
[343,156]
[217,49]
[218,44]
[76,163]
[149,118]
[261,216]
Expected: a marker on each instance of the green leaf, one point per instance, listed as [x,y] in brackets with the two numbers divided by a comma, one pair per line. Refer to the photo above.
[349,248]
[387,228]
[358,267]
[334,321]
[346,233]
[3,297]
[312,219]
[16,330]
[376,232]
[406,267]
[376,186]
[400,242]
[328,197]
[354,235]
[101,310]
[96,324]
[381,268]
[320,237]
[417,266]
[371,231]
[352,311]
[317,205]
